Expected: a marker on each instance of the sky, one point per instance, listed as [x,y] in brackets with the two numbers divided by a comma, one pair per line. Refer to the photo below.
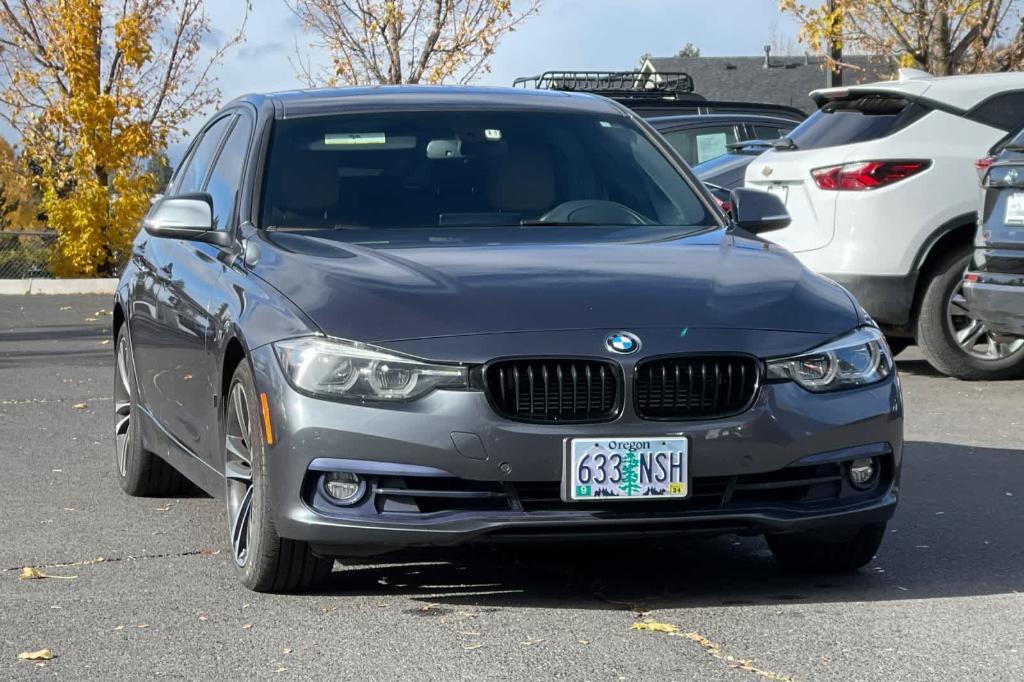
[566,34]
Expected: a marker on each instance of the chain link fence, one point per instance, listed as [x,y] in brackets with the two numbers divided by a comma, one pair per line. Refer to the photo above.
[26,254]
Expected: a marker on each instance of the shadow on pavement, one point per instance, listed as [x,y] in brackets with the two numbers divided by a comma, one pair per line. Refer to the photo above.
[956,533]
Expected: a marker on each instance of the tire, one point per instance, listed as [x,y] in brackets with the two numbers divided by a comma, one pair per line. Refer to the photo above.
[140,472]
[813,554]
[898,344]
[935,329]
[263,561]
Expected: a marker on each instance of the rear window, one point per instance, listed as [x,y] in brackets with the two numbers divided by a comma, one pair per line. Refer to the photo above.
[860,119]
[427,169]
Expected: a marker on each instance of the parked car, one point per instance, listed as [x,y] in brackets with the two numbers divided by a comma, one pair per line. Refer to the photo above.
[389,317]
[993,290]
[704,138]
[882,190]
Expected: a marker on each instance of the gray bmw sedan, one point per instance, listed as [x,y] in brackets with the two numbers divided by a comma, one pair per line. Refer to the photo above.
[379,318]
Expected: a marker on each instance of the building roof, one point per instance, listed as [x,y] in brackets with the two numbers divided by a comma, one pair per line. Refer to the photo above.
[788,81]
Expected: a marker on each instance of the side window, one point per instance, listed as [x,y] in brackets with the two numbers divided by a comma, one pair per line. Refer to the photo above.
[194,173]
[1002,111]
[769,132]
[227,173]
[702,144]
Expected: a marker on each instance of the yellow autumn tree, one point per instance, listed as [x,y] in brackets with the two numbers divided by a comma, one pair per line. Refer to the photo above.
[405,41]
[942,37]
[94,88]
[18,208]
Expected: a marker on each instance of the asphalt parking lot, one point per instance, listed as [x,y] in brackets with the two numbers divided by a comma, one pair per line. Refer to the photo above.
[148,590]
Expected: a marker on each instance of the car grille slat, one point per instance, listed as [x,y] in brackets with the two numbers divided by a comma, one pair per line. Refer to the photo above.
[695,387]
[554,389]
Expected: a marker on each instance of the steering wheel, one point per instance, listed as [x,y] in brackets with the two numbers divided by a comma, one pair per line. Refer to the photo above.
[594,212]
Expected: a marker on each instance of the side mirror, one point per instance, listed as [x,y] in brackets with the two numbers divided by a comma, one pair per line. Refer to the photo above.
[758,212]
[187,216]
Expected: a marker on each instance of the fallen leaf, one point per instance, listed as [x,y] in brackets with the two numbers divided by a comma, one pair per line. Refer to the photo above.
[470,633]
[65,307]
[655,627]
[79,406]
[203,617]
[247,626]
[104,342]
[530,642]
[280,669]
[118,628]
[582,641]
[41,655]
[142,626]
[30,573]
[165,508]
[470,647]
[286,652]
[428,607]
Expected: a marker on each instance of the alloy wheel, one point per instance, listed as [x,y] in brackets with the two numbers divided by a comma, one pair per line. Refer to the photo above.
[972,335]
[238,472]
[123,405]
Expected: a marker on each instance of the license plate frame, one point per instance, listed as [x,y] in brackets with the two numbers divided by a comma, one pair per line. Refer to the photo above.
[1014,213]
[669,455]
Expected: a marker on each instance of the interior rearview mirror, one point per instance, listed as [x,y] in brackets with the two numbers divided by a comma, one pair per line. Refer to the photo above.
[186,216]
[758,212]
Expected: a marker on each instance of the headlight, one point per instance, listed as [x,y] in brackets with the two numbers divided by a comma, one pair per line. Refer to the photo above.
[857,359]
[354,371]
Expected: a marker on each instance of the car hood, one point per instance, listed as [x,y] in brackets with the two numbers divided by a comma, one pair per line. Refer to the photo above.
[495,280]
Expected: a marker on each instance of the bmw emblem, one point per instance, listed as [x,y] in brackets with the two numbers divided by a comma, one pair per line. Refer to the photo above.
[622,342]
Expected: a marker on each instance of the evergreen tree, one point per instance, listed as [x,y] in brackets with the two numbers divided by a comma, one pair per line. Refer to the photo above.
[630,474]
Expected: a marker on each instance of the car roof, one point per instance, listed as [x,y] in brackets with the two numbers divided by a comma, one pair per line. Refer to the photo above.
[294,103]
[963,92]
[661,122]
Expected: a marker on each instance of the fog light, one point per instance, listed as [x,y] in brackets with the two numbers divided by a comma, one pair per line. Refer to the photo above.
[863,472]
[343,487]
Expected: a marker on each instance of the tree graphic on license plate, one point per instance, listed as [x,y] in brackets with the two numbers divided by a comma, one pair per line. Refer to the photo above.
[630,474]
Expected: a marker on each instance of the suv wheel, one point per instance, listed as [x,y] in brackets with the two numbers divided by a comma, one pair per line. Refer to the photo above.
[140,472]
[264,561]
[818,554]
[954,341]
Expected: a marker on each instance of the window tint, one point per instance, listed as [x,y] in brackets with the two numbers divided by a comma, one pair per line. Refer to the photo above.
[227,173]
[1005,111]
[194,174]
[769,132]
[698,145]
[860,119]
[470,169]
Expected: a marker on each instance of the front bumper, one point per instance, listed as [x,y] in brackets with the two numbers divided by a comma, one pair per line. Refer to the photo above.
[998,302]
[475,476]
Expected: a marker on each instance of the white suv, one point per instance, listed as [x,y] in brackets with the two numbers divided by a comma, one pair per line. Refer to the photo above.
[883,192]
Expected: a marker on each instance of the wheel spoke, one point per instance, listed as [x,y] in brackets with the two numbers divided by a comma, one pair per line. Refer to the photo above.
[968,336]
[238,471]
[240,527]
[236,449]
[122,453]
[241,413]
[958,306]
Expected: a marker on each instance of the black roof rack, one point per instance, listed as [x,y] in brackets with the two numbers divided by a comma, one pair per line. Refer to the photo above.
[623,85]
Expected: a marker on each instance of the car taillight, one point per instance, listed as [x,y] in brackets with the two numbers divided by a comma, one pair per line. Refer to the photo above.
[983,164]
[865,175]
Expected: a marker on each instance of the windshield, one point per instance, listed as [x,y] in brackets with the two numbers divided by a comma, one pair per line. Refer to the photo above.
[473,169]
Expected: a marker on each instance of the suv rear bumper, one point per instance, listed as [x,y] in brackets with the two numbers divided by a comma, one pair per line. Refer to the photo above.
[1000,305]
[888,299]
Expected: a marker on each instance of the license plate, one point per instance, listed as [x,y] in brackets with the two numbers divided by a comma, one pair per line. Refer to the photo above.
[1015,209]
[608,469]
[781,191]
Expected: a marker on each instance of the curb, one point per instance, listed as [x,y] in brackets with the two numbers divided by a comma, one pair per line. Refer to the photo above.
[22,287]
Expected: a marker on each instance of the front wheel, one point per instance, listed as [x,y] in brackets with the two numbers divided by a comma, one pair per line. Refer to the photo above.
[264,561]
[817,553]
[954,341]
[140,472]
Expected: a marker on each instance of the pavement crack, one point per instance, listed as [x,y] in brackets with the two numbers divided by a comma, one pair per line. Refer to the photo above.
[110,560]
